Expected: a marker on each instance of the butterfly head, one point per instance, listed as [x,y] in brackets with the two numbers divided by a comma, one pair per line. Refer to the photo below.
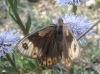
[60,21]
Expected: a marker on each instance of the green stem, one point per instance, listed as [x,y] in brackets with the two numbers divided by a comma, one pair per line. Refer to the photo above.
[88,30]
[71,71]
[19,22]
[10,60]
[39,71]
[74,9]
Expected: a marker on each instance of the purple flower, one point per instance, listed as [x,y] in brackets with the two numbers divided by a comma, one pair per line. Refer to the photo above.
[7,39]
[65,2]
[77,24]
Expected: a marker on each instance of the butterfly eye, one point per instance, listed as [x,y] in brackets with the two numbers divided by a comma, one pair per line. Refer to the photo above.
[25,46]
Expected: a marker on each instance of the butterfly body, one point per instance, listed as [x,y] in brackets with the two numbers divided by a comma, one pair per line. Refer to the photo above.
[50,45]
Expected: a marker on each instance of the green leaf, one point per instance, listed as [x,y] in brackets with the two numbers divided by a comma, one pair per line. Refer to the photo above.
[15,5]
[48,72]
[0,72]
[86,72]
[31,64]
[75,67]
[13,57]
[28,24]
[3,59]
[91,72]
[12,17]
[12,69]
[1,63]
[98,43]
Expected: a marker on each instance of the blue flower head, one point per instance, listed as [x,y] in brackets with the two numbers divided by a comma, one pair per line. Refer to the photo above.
[77,24]
[65,2]
[7,39]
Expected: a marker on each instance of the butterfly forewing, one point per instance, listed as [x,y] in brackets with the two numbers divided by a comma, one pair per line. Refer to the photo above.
[41,45]
[29,46]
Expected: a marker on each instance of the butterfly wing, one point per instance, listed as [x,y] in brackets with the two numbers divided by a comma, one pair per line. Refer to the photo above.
[70,47]
[42,45]
[52,50]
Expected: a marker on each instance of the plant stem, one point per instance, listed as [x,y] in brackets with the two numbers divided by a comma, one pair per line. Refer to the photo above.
[38,71]
[74,9]
[19,22]
[71,71]
[88,30]
[10,60]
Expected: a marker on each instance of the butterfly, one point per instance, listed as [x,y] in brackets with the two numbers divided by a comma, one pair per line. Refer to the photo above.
[50,45]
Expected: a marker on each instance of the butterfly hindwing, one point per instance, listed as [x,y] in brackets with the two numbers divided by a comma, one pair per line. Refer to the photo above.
[70,47]
[51,51]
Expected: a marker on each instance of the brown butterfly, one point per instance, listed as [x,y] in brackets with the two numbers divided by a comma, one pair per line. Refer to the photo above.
[50,45]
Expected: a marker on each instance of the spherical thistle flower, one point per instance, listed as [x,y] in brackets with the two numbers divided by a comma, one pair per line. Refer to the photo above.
[7,39]
[77,24]
[66,2]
